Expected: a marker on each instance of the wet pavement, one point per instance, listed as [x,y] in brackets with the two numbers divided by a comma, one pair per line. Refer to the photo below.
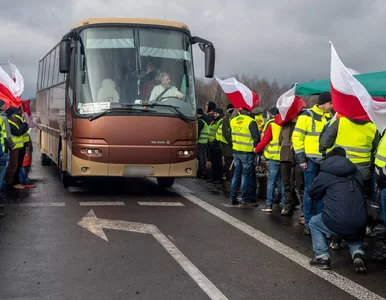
[130,239]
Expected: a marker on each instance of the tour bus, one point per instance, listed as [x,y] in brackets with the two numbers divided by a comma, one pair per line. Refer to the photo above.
[116,98]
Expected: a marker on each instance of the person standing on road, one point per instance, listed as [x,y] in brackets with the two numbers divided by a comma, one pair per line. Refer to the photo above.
[305,140]
[203,132]
[380,175]
[245,137]
[340,183]
[224,134]
[17,136]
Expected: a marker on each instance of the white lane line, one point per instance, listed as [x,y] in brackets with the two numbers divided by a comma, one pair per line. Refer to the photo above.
[234,206]
[101,203]
[332,277]
[160,203]
[43,204]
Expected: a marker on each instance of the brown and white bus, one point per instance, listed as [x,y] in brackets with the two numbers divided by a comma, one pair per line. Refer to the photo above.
[116,98]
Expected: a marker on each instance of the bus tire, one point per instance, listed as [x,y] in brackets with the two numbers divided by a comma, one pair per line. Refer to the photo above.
[65,178]
[165,182]
[45,160]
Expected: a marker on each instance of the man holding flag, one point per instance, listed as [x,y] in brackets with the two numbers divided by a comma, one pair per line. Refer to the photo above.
[245,137]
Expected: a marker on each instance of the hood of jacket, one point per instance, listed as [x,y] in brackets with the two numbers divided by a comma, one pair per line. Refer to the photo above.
[339,166]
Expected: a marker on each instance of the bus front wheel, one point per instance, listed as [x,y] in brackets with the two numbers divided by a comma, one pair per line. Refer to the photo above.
[165,182]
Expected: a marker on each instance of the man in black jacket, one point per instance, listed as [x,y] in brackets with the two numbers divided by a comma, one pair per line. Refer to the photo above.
[340,183]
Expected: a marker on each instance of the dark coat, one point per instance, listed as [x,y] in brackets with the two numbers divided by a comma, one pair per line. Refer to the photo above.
[344,205]
[287,153]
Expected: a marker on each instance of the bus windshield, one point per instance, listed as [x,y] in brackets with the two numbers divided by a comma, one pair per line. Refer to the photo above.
[122,66]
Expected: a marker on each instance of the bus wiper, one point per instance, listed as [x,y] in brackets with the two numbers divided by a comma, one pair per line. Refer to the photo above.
[175,108]
[108,111]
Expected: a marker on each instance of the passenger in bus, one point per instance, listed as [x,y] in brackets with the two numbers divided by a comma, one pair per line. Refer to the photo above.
[164,90]
[108,92]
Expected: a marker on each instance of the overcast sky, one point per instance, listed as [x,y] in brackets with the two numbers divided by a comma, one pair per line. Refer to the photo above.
[282,39]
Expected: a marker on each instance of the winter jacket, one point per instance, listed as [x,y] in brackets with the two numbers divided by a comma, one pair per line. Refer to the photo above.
[226,133]
[344,205]
[328,138]
[287,153]
[9,143]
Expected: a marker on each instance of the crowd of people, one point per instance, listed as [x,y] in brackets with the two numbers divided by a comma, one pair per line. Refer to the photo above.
[332,166]
[15,150]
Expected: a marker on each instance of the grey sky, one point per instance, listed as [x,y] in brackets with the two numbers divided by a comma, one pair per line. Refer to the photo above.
[282,39]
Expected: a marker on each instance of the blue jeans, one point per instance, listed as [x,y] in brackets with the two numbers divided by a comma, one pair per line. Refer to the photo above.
[273,178]
[23,176]
[319,239]
[2,175]
[383,205]
[244,174]
[312,207]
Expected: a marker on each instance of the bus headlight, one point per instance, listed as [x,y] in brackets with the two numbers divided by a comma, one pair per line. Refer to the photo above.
[91,151]
[185,153]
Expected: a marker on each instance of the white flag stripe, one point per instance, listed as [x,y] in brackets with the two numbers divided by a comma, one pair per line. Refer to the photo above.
[7,82]
[285,101]
[344,82]
[19,79]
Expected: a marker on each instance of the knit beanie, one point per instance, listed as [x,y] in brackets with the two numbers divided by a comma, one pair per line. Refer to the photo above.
[324,98]
[200,111]
[211,106]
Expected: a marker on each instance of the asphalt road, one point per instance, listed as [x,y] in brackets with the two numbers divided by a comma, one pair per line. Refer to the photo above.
[106,239]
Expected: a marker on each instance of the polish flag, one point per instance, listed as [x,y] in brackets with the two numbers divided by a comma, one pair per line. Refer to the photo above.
[289,106]
[238,94]
[18,79]
[351,99]
[8,89]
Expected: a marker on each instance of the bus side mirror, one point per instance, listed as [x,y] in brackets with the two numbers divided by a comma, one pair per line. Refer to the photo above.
[64,56]
[210,57]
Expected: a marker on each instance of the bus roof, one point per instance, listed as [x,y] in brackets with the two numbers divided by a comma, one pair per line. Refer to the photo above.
[119,20]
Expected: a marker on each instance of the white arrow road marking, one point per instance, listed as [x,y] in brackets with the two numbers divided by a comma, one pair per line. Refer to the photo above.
[91,223]
[101,203]
[332,277]
[160,203]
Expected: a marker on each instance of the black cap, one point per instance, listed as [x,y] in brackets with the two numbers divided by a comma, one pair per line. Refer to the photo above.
[273,110]
[230,106]
[324,98]
[211,106]
[2,102]
[219,111]
[200,111]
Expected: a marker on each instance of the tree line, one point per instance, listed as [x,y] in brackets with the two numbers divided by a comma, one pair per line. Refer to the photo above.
[268,90]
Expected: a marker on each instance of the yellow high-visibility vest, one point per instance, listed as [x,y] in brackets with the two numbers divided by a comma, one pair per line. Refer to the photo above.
[241,135]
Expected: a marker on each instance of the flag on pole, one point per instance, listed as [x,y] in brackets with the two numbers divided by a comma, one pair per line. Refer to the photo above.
[351,99]
[8,89]
[289,106]
[238,94]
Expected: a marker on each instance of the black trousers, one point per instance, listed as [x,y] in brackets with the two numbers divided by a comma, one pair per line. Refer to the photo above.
[228,173]
[290,174]
[20,160]
[216,160]
[202,156]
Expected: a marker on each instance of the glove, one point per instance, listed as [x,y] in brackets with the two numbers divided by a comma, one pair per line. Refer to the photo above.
[257,160]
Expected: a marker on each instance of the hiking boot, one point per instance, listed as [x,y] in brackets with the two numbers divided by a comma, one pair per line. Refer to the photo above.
[306,230]
[235,202]
[321,263]
[301,220]
[359,261]
[227,186]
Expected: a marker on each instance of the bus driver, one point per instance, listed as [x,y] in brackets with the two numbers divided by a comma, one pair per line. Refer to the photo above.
[164,90]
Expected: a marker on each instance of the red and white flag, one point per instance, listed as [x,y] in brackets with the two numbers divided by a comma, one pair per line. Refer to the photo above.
[238,94]
[289,106]
[351,99]
[18,80]
[8,89]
